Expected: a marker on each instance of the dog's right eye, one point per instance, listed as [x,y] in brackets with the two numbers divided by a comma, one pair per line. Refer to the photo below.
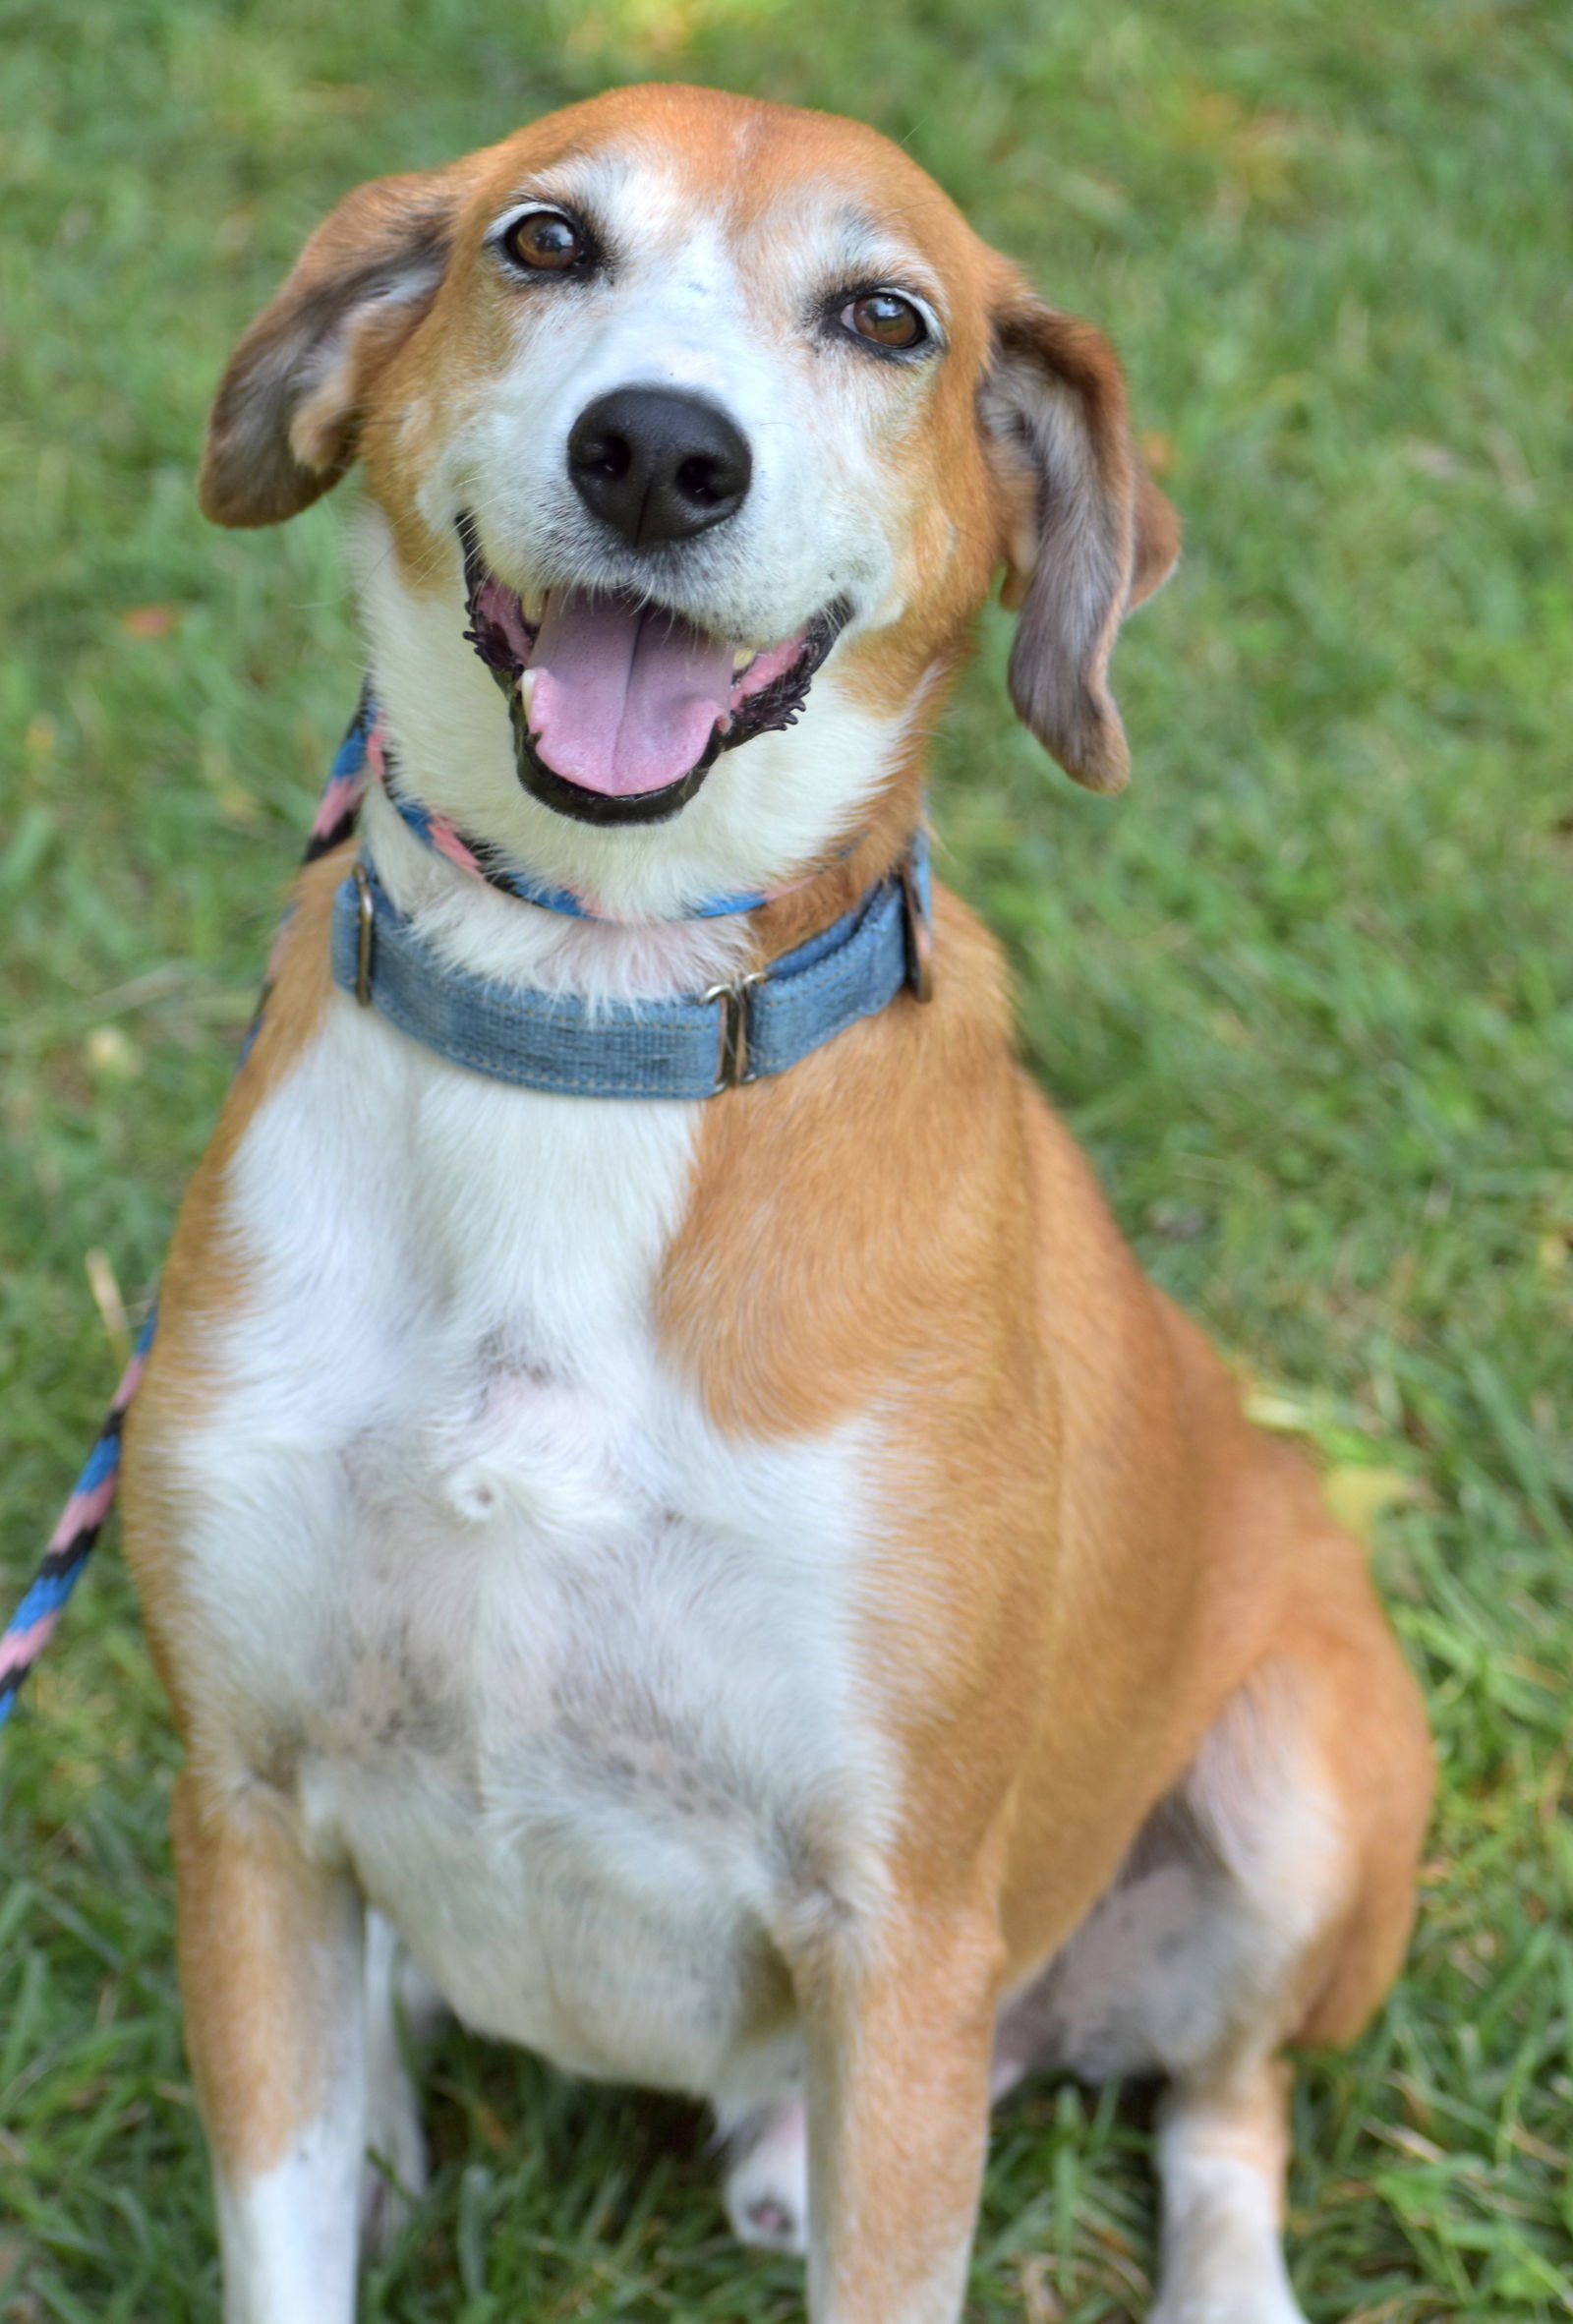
[887,320]
[545,241]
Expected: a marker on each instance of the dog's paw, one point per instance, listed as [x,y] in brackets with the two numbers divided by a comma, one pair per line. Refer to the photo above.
[1267,2302]
[766,2189]
[1232,2312]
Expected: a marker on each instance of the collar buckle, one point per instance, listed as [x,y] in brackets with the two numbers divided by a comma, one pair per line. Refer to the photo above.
[732,1066]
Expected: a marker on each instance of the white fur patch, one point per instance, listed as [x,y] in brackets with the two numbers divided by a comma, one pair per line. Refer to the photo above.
[290,2235]
[567,1677]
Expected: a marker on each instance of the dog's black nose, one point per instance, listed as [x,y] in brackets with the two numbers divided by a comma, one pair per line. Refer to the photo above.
[658,465]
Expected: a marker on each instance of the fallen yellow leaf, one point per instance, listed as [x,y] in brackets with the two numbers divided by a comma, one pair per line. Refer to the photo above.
[1358,1495]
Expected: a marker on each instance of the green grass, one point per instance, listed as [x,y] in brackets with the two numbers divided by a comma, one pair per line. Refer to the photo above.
[1307,991]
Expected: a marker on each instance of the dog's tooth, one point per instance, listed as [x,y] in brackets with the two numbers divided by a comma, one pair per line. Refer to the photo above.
[527,678]
[741,658]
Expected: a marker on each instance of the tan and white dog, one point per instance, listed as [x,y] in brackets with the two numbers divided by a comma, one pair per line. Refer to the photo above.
[759,1594]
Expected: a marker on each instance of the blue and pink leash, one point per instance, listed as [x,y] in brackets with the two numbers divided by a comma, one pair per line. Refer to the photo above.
[71,1544]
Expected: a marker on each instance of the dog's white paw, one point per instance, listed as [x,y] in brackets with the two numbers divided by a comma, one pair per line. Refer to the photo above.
[1248,2310]
[766,2189]
[1265,2300]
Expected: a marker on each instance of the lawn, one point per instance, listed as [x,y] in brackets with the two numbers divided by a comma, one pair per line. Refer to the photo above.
[1305,991]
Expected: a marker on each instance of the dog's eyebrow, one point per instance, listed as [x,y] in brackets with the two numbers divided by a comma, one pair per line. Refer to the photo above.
[871,248]
[864,233]
[584,179]
[850,235]
[858,224]
[542,192]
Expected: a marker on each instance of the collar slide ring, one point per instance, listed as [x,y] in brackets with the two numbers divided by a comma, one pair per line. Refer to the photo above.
[732,1068]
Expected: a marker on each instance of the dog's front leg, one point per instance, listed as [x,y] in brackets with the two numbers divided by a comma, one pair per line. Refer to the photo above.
[900,2028]
[270,1973]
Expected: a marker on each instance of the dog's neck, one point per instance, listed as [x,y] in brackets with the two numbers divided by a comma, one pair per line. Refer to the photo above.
[814,814]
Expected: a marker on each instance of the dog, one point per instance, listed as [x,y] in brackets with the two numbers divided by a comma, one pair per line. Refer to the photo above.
[737,1584]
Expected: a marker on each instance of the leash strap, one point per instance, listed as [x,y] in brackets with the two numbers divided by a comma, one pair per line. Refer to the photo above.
[82,1521]
[690,1048]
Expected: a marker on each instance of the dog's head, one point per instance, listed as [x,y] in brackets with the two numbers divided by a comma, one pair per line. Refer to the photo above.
[687,415]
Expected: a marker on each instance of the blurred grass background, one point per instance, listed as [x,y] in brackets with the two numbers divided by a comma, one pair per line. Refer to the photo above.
[1305,991]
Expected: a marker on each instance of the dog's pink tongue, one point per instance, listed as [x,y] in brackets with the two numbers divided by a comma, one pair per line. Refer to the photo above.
[625,697]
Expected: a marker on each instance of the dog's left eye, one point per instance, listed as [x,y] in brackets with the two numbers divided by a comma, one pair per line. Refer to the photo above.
[545,241]
[885,318]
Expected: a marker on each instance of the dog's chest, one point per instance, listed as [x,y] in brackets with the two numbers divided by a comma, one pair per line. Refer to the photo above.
[567,1676]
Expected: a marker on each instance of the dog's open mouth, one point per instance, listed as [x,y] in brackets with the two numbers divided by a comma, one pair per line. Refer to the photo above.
[621,707]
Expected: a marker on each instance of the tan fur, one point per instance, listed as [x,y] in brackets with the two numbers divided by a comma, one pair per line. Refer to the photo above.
[1089,1553]
[259,1948]
[898,2108]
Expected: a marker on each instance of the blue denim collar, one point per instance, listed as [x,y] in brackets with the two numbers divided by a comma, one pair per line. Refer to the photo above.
[691,1047]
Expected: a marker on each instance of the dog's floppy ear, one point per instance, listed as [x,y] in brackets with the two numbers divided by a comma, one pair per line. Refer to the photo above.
[284,421]
[1090,533]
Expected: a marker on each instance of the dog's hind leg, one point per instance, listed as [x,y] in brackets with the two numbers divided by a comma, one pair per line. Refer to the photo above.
[403,2010]
[1266,1901]
[1313,1790]
[1222,2153]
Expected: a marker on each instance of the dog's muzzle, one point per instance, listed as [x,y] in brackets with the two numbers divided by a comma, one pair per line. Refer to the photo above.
[619,706]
